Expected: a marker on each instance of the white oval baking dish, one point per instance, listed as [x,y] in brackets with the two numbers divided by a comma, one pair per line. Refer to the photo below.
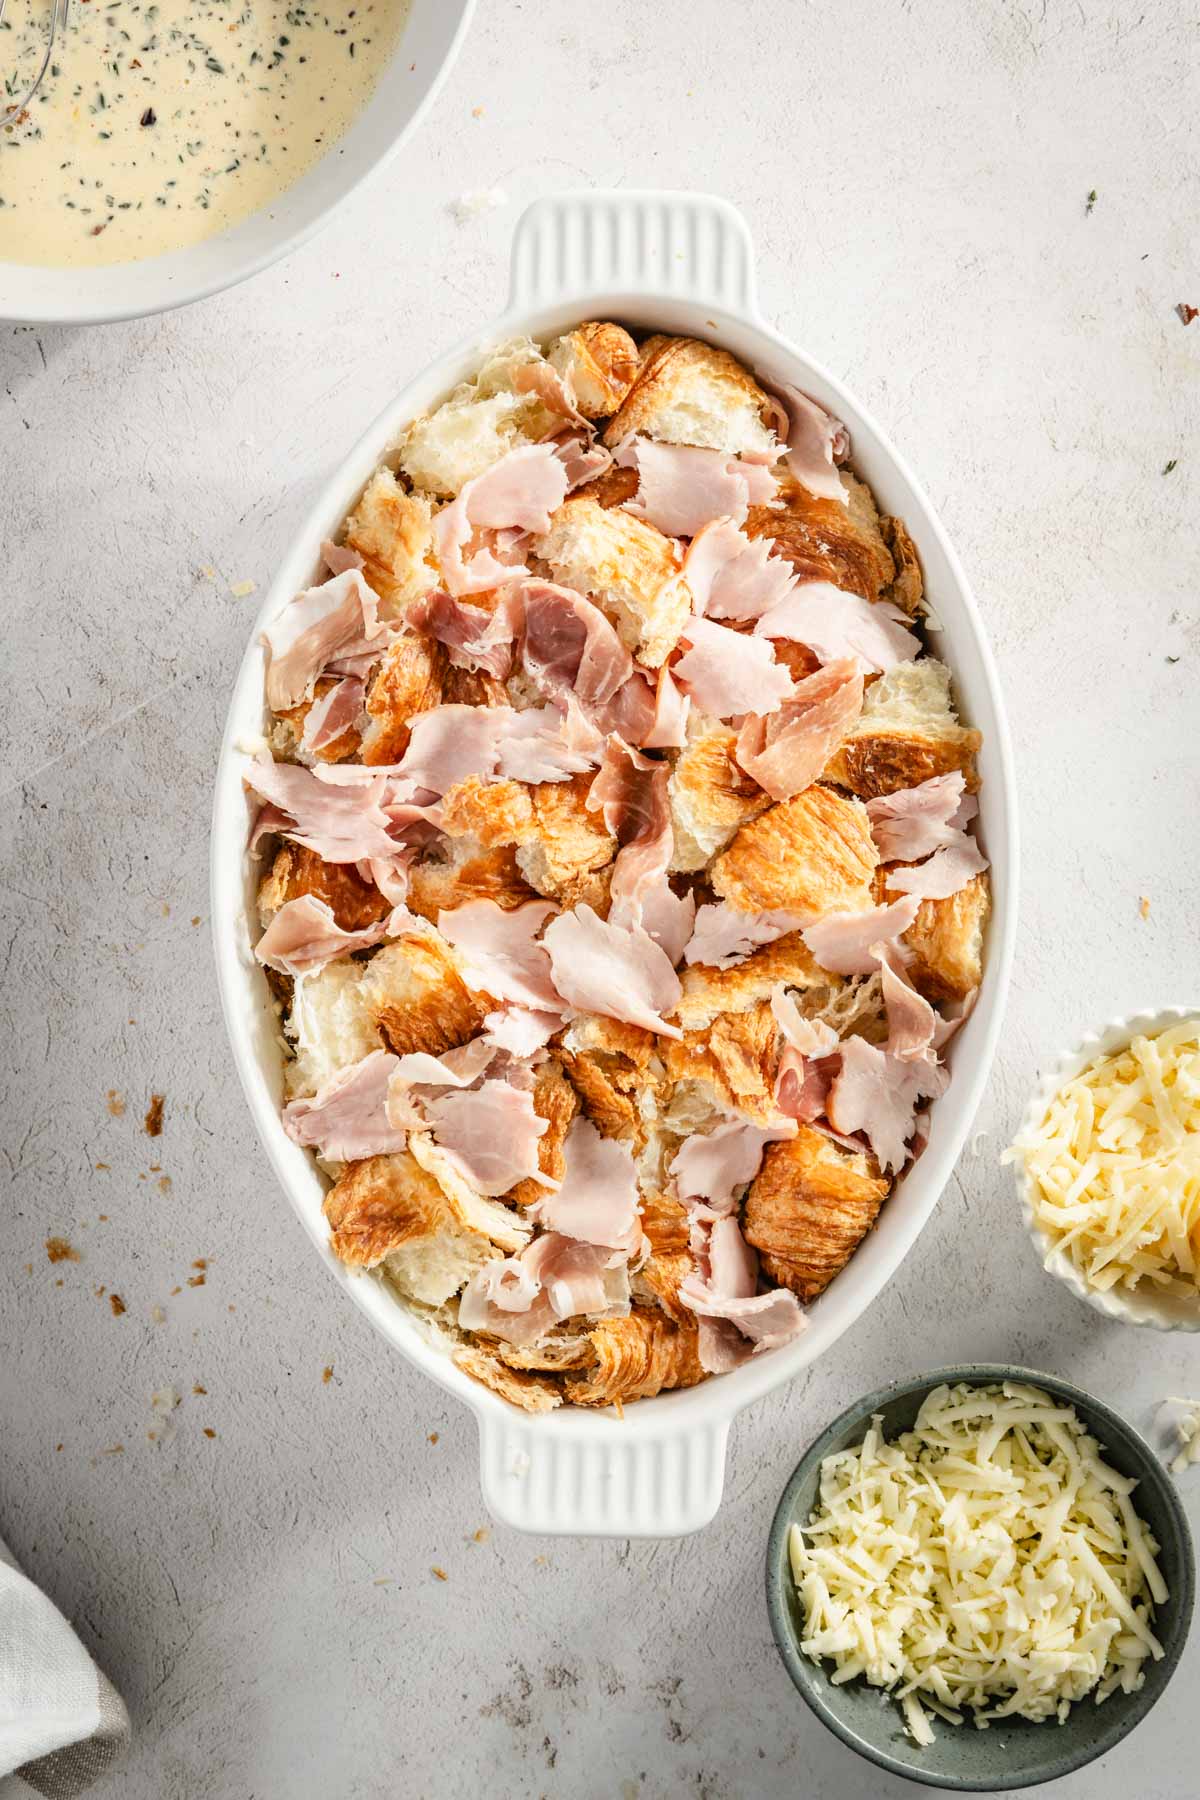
[428,44]
[680,263]
[1143,1305]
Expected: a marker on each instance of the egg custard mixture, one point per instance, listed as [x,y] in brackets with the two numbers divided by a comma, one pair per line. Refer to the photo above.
[161,122]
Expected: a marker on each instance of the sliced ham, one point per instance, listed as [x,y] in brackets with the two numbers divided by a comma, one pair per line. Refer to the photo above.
[339,557]
[766,1320]
[815,440]
[342,821]
[519,1031]
[811,1037]
[334,713]
[724,936]
[500,953]
[802,1083]
[474,638]
[945,873]
[534,745]
[877,1093]
[448,744]
[786,750]
[571,652]
[582,458]
[733,1265]
[304,936]
[681,489]
[597,1199]
[518,493]
[715,1167]
[916,821]
[522,1298]
[834,624]
[490,1134]
[458,1068]
[669,918]
[553,390]
[630,793]
[615,970]
[729,673]
[337,619]
[347,1118]
[732,576]
[668,729]
[842,942]
[911,1020]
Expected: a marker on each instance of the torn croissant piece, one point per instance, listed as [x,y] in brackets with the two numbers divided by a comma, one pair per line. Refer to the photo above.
[296,871]
[347,743]
[494,812]
[710,795]
[824,540]
[568,844]
[626,567]
[473,687]
[637,1357]
[812,854]
[664,1222]
[406,682]
[689,392]
[657,1282]
[908,589]
[613,488]
[600,362]
[609,1066]
[809,1207]
[531,1392]
[734,1060]
[455,870]
[788,961]
[417,997]
[555,1100]
[559,1349]
[388,1209]
[907,733]
[392,533]
[945,940]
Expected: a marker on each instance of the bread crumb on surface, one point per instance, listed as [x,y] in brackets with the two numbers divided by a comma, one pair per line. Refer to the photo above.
[116,1103]
[196,1280]
[475,201]
[114,1450]
[209,1432]
[1144,906]
[117,1304]
[201,1262]
[440,1573]
[157,1315]
[102,1166]
[59,1250]
[197,1389]
[196,919]
[483,1534]
[240,589]
[164,1184]
[154,1115]
[433,1437]
[327,1374]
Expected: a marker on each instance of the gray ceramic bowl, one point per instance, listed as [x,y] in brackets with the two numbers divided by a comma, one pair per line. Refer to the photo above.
[1013,1753]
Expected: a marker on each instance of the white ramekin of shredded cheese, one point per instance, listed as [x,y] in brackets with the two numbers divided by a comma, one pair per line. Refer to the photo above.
[1107,1164]
[986,1564]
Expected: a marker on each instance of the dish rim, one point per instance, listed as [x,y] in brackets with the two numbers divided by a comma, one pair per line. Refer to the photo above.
[809,1676]
[709,1407]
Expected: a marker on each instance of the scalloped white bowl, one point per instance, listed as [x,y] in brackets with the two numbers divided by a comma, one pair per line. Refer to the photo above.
[679,263]
[1142,1305]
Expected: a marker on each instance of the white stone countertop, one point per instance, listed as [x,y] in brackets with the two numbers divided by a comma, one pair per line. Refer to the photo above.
[257,1581]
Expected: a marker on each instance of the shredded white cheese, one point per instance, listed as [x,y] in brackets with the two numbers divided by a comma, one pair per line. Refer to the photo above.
[987,1559]
[1187,1432]
[1115,1165]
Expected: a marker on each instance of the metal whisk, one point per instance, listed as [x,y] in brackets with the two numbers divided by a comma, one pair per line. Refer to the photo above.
[59,13]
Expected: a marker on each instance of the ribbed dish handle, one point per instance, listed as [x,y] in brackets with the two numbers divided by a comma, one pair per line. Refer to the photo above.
[689,246]
[592,1484]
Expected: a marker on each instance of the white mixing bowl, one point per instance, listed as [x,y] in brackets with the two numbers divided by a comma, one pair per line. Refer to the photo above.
[426,48]
[680,263]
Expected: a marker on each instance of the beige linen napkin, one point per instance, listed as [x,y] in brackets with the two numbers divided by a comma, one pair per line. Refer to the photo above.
[62,1723]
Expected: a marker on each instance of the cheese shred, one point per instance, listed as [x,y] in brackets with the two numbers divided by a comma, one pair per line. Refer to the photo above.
[1114,1166]
[988,1559]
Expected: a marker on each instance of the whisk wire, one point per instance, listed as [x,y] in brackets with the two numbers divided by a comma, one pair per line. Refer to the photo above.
[59,14]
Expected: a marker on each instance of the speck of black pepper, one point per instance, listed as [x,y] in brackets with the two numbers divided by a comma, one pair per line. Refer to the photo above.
[149,117]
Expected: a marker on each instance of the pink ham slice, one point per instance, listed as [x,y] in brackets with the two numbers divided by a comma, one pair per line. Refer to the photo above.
[945,873]
[630,793]
[668,730]
[807,1063]
[336,620]
[766,1321]
[335,712]
[786,750]
[555,393]
[843,942]
[732,1264]
[811,1037]
[916,821]
[912,1022]
[732,576]
[597,1200]
[458,1068]
[834,625]
[490,1134]
[521,1298]
[339,557]
[449,744]
[304,936]
[727,673]
[518,493]
[681,489]
[347,1118]
[713,1168]
[474,638]
[815,440]
[877,1093]
[669,918]
[519,1031]
[615,970]
[572,654]
[500,953]
[724,936]
[582,458]
[342,821]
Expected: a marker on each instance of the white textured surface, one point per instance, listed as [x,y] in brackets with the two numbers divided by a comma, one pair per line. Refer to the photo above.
[915,180]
